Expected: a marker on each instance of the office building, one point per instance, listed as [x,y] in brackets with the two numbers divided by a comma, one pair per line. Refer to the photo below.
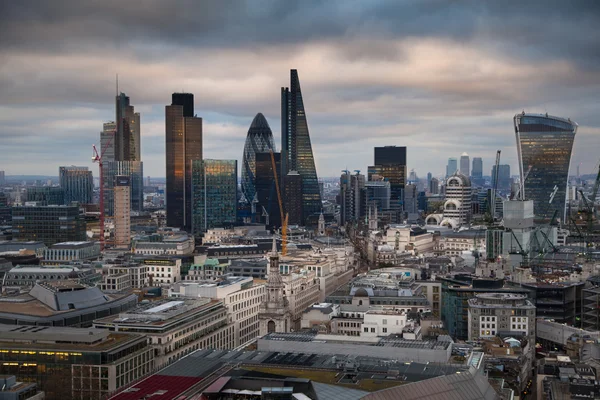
[46,195]
[135,171]
[351,197]
[501,314]
[293,198]
[74,363]
[267,205]
[214,194]
[465,164]
[434,186]
[457,207]
[411,205]
[108,138]
[504,179]
[175,328]
[390,164]
[77,183]
[477,171]
[183,145]
[429,176]
[258,140]
[5,210]
[296,148]
[378,193]
[50,224]
[71,252]
[545,143]
[127,139]
[122,215]
[452,167]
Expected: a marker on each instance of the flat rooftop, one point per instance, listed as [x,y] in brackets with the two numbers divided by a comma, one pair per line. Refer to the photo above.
[74,245]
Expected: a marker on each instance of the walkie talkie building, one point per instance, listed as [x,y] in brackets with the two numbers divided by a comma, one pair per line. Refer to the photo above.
[545,143]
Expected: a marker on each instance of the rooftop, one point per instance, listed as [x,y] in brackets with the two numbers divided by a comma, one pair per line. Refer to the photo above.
[74,245]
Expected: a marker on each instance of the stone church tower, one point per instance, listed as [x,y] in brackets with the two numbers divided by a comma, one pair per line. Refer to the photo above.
[274,314]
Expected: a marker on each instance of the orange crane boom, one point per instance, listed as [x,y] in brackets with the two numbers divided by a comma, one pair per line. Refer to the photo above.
[284,218]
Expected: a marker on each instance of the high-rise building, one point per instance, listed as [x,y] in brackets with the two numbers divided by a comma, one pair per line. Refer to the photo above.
[46,195]
[452,167]
[77,183]
[296,148]
[2,178]
[465,164]
[135,171]
[457,206]
[108,138]
[293,197]
[258,140]
[545,143]
[351,191]
[477,170]
[504,180]
[378,193]
[214,194]
[429,176]
[49,224]
[410,199]
[390,163]
[127,138]
[122,215]
[266,190]
[183,145]
[5,211]
[434,186]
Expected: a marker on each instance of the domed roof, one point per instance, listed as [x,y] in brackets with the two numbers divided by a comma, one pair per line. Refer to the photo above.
[464,180]
[362,292]
[259,123]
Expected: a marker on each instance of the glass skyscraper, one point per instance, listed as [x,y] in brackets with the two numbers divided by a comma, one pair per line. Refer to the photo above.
[214,197]
[390,164]
[296,149]
[452,167]
[258,140]
[545,143]
[135,171]
[266,191]
[183,145]
[78,184]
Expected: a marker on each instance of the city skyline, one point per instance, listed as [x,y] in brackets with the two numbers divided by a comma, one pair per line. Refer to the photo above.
[424,88]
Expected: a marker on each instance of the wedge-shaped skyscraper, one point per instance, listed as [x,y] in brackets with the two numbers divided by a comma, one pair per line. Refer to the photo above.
[296,150]
[258,140]
[545,143]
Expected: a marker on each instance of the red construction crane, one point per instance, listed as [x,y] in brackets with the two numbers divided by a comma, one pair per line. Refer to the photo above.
[97,157]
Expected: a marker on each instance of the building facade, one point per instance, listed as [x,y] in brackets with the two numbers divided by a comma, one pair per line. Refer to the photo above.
[266,203]
[390,164]
[135,171]
[68,252]
[293,198]
[214,194]
[50,224]
[351,197]
[545,143]
[452,167]
[183,145]
[46,195]
[77,183]
[258,140]
[477,171]
[457,207]
[296,148]
[122,216]
[465,164]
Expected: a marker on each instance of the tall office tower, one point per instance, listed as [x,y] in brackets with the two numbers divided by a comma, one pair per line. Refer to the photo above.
[122,215]
[390,164]
[477,172]
[545,143]
[410,199]
[429,176]
[434,186]
[46,195]
[457,206]
[412,177]
[292,183]
[78,184]
[296,149]
[378,193]
[504,180]
[49,224]
[2,178]
[267,205]
[135,171]
[127,138]
[5,210]
[183,145]
[465,165]
[351,191]
[452,167]
[258,140]
[107,141]
[214,194]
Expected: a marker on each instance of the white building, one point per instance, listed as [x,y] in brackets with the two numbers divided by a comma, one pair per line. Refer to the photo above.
[383,322]
[457,206]
[181,244]
[138,273]
[66,252]
[407,238]
[320,316]
[164,271]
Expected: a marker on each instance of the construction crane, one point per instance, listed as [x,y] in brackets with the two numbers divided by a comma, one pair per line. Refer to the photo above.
[590,208]
[98,158]
[284,218]
[518,195]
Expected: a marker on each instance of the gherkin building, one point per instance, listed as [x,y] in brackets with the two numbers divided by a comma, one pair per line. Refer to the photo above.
[258,140]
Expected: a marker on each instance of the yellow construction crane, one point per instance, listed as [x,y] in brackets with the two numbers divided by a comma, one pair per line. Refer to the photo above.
[284,217]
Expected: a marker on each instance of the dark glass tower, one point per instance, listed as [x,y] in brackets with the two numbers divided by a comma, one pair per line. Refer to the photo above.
[390,164]
[258,140]
[183,145]
[77,183]
[296,149]
[266,191]
[545,143]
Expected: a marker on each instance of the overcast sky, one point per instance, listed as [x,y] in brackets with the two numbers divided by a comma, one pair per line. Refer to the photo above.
[440,77]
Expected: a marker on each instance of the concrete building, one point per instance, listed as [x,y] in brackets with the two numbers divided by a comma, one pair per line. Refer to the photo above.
[115,283]
[122,216]
[434,186]
[50,224]
[176,328]
[319,316]
[27,276]
[69,252]
[31,246]
[45,195]
[13,390]
[455,243]
[77,183]
[161,245]
[84,363]
[163,270]
[457,207]
[409,238]
[505,314]
[551,333]
[351,197]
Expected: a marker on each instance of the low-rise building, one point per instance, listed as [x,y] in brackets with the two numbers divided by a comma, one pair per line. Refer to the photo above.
[409,238]
[69,252]
[176,327]
[163,271]
[50,224]
[13,390]
[28,276]
[455,243]
[74,363]
[115,283]
[506,314]
[159,245]
[320,316]
[383,322]
[35,246]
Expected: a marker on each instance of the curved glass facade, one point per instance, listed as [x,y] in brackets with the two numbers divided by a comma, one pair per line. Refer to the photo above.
[258,140]
[545,143]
